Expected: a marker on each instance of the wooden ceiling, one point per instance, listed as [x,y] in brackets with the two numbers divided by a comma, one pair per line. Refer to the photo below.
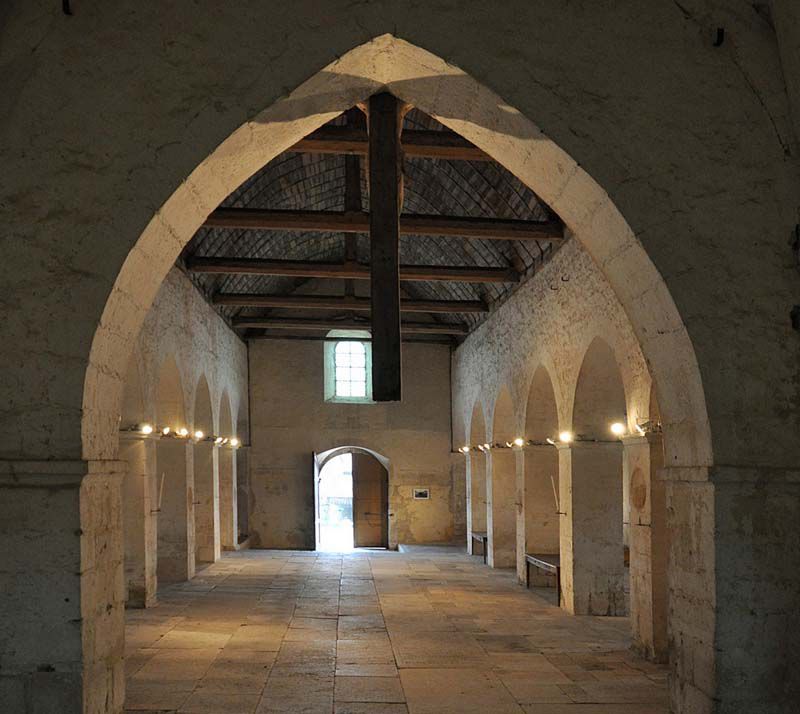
[288,254]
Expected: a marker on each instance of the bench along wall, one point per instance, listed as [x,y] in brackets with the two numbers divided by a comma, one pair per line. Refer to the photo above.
[290,420]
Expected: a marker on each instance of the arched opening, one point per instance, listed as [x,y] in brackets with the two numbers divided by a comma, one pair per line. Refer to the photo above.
[592,550]
[539,498]
[351,489]
[206,478]
[138,450]
[501,486]
[461,103]
[241,478]
[476,480]
[228,489]
[174,478]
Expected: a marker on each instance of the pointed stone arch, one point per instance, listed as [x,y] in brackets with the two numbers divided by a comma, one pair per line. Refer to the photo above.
[537,523]
[476,475]
[460,102]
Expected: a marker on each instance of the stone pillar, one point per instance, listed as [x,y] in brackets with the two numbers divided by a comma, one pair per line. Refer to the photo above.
[139,494]
[501,516]
[537,519]
[692,592]
[242,480]
[206,502]
[590,494]
[734,575]
[648,540]
[61,587]
[228,499]
[175,476]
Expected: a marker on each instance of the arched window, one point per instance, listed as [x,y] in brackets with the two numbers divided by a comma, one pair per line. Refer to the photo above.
[348,367]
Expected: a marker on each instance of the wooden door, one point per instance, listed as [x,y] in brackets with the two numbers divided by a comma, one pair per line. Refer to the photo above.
[316,500]
[370,502]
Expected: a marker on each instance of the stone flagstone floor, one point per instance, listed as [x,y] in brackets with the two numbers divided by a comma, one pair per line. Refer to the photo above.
[430,631]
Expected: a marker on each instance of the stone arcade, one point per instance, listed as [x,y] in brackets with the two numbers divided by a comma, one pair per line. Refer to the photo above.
[526,273]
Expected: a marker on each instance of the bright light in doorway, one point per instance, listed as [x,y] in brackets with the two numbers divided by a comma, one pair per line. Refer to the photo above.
[618,428]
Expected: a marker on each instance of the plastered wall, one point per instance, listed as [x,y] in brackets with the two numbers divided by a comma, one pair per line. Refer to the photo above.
[291,420]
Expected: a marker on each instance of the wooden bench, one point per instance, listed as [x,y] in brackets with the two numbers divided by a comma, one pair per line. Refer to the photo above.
[549,564]
[480,538]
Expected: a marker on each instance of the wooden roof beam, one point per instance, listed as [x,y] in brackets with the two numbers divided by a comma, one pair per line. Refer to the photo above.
[421,143]
[358,222]
[296,323]
[340,302]
[355,271]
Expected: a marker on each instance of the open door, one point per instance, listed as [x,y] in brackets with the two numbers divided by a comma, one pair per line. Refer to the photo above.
[316,501]
[370,502]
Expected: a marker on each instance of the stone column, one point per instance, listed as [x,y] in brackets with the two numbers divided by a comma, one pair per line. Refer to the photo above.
[537,519]
[590,494]
[501,517]
[228,499]
[468,500]
[175,476]
[648,540]
[61,587]
[242,480]
[140,519]
[206,502]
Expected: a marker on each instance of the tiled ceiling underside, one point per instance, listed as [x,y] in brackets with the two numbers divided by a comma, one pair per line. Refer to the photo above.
[298,181]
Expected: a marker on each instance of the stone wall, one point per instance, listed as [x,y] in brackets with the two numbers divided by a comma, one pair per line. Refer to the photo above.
[188,369]
[690,140]
[550,321]
[291,420]
[181,325]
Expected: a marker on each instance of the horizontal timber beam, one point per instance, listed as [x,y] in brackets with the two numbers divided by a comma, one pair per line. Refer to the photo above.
[354,271]
[342,302]
[286,323]
[428,144]
[358,222]
[421,339]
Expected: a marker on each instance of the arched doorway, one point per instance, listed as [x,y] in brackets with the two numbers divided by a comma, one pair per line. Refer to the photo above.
[351,499]
[538,522]
[501,483]
[476,480]
[206,478]
[592,551]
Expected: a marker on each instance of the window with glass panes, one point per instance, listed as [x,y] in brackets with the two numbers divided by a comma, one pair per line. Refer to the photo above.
[350,366]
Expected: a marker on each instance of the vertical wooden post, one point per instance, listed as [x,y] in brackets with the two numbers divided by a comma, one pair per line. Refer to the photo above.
[384,231]
[352,197]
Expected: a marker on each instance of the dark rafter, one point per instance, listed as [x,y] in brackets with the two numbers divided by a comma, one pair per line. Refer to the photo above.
[346,302]
[314,269]
[358,222]
[418,143]
[297,323]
